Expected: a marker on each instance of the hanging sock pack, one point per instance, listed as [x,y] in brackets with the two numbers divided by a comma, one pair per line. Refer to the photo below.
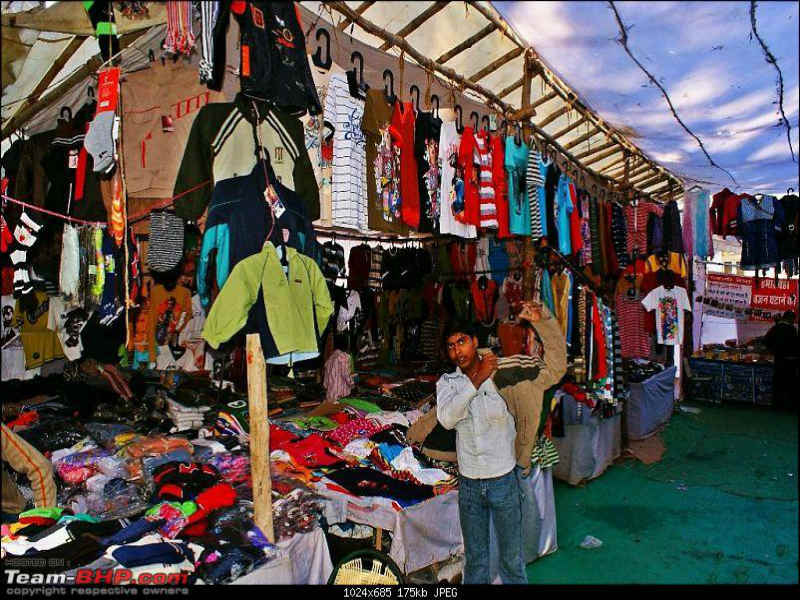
[100,139]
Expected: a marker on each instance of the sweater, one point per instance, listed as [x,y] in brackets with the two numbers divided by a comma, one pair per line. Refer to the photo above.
[221,145]
[522,380]
[24,458]
[293,311]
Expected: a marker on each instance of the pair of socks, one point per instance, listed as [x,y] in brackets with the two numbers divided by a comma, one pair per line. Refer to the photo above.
[25,236]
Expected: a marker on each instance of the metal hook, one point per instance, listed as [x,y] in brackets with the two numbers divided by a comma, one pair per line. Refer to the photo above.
[474,117]
[485,123]
[326,64]
[416,101]
[459,120]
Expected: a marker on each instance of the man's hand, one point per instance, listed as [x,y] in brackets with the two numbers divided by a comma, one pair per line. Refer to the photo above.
[487,365]
[531,312]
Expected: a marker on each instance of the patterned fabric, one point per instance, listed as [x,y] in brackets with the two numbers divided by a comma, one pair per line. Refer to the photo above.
[338,380]
[348,190]
[632,318]
[358,428]
[485,188]
[545,453]
[636,222]
[535,184]
[618,233]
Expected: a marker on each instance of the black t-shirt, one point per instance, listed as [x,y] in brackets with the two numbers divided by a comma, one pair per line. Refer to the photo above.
[426,141]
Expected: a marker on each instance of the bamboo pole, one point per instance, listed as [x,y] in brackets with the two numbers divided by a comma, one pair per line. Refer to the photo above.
[416,22]
[468,43]
[569,128]
[514,86]
[259,436]
[359,11]
[491,68]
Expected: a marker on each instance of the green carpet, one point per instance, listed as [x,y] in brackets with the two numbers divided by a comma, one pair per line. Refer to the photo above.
[720,507]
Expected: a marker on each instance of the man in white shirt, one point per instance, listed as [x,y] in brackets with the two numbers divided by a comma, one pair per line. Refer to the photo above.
[469,401]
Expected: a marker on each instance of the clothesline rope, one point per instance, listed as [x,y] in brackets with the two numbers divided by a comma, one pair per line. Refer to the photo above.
[52,213]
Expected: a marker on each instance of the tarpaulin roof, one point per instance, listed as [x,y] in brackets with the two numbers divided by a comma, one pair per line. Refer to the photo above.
[599,109]
[712,66]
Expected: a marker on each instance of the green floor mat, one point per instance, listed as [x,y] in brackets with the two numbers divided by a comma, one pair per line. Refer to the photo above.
[721,507]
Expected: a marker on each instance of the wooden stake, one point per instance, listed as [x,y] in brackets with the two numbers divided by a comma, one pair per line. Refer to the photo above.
[259,436]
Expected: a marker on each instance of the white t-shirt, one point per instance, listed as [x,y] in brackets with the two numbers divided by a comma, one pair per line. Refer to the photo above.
[67,320]
[13,354]
[669,306]
[349,175]
[449,141]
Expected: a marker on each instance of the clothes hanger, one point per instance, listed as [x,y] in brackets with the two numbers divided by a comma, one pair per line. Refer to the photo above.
[388,87]
[474,117]
[485,122]
[355,77]
[459,120]
[323,64]
[518,134]
[435,111]
[415,102]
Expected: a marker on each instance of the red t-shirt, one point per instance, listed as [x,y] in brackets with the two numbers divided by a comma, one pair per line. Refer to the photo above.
[402,131]
[497,145]
[466,161]
[484,299]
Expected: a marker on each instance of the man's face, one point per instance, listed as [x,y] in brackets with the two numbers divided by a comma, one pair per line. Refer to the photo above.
[462,349]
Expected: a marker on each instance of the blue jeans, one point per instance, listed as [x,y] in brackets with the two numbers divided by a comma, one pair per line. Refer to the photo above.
[501,497]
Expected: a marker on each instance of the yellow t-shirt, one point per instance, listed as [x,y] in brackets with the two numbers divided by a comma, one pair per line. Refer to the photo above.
[41,344]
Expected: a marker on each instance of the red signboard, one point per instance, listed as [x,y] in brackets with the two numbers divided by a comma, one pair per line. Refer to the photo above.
[767,296]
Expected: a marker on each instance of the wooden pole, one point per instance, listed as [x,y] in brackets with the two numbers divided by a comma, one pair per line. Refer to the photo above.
[259,436]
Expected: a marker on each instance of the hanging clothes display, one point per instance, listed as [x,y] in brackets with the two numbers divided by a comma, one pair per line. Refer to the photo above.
[758,222]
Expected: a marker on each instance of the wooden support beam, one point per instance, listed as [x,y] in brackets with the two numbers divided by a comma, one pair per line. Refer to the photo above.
[528,73]
[586,136]
[492,67]
[647,174]
[24,116]
[360,9]
[569,128]
[468,43]
[416,22]
[605,169]
[259,436]
[636,169]
[553,116]
[525,113]
[595,150]
[514,86]
[659,190]
[602,156]
[50,75]
[649,181]
[491,15]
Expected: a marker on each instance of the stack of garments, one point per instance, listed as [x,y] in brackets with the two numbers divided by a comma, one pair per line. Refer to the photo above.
[186,417]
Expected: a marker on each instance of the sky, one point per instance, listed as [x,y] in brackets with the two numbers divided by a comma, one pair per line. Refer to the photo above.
[702,53]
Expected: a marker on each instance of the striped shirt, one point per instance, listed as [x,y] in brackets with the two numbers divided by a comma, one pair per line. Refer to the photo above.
[485,185]
[349,171]
[535,185]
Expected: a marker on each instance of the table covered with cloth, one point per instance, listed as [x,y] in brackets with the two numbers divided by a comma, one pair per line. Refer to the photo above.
[304,560]
[430,531]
